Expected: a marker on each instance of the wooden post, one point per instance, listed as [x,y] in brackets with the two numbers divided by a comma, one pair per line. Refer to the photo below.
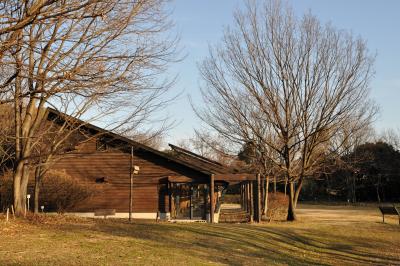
[245,196]
[248,196]
[240,194]
[242,197]
[212,207]
[169,200]
[205,202]
[131,185]
[251,196]
[245,201]
[258,198]
[191,202]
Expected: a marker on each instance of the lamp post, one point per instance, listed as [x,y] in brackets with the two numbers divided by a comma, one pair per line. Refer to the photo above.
[28,197]
[134,170]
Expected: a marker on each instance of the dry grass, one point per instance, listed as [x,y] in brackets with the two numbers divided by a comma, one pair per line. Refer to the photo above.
[323,236]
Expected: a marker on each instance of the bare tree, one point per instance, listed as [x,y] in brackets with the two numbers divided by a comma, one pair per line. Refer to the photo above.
[92,59]
[7,148]
[287,84]
[210,146]
[391,136]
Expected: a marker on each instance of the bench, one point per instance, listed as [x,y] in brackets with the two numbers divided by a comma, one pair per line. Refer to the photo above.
[104,212]
[389,210]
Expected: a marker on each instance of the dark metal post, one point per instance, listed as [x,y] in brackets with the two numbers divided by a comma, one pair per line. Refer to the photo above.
[131,185]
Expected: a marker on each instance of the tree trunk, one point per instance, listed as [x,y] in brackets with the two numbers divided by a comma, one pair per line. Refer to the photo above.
[24,186]
[265,208]
[18,204]
[291,216]
[37,189]
[297,191]
[377,189]
[20,187]
[377,194]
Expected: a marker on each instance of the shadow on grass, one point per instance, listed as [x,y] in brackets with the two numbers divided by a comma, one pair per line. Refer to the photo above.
[246,244]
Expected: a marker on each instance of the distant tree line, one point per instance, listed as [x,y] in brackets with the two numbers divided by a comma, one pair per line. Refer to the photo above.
[371,173]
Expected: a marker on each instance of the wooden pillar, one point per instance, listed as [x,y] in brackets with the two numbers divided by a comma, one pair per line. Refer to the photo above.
[212,199]
[251,196]
[205,201]
[240,195]
[242,201]
[191,203]
[246,195]
[169,199]
[258,198]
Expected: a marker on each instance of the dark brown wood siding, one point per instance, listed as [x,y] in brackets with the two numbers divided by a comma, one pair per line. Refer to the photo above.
[87,165]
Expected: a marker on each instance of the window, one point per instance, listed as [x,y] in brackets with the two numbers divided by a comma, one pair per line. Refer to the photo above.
[101,180]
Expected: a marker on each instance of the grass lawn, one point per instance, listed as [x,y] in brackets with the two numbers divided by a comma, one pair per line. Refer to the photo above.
[323,235]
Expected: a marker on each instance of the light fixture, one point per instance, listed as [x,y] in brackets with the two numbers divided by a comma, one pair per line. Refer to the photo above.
[136,169]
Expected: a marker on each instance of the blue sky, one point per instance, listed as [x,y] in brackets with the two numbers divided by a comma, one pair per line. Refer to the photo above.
[201,22]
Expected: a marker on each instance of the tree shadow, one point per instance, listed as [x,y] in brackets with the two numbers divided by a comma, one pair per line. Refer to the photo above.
[243,243]
[227,244]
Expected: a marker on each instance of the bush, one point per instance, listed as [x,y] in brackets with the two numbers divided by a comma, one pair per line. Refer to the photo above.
[6,184]
[278,204]
[60,192]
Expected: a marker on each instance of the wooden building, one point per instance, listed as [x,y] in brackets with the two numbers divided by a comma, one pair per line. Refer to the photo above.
[175,185]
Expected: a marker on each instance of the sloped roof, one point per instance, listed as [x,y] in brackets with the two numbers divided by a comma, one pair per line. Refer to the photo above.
[183,157]
[201,161]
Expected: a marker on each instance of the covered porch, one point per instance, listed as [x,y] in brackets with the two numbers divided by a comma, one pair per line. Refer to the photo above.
[196,200]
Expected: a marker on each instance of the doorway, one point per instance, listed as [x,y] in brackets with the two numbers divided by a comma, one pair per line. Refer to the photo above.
[189,201]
